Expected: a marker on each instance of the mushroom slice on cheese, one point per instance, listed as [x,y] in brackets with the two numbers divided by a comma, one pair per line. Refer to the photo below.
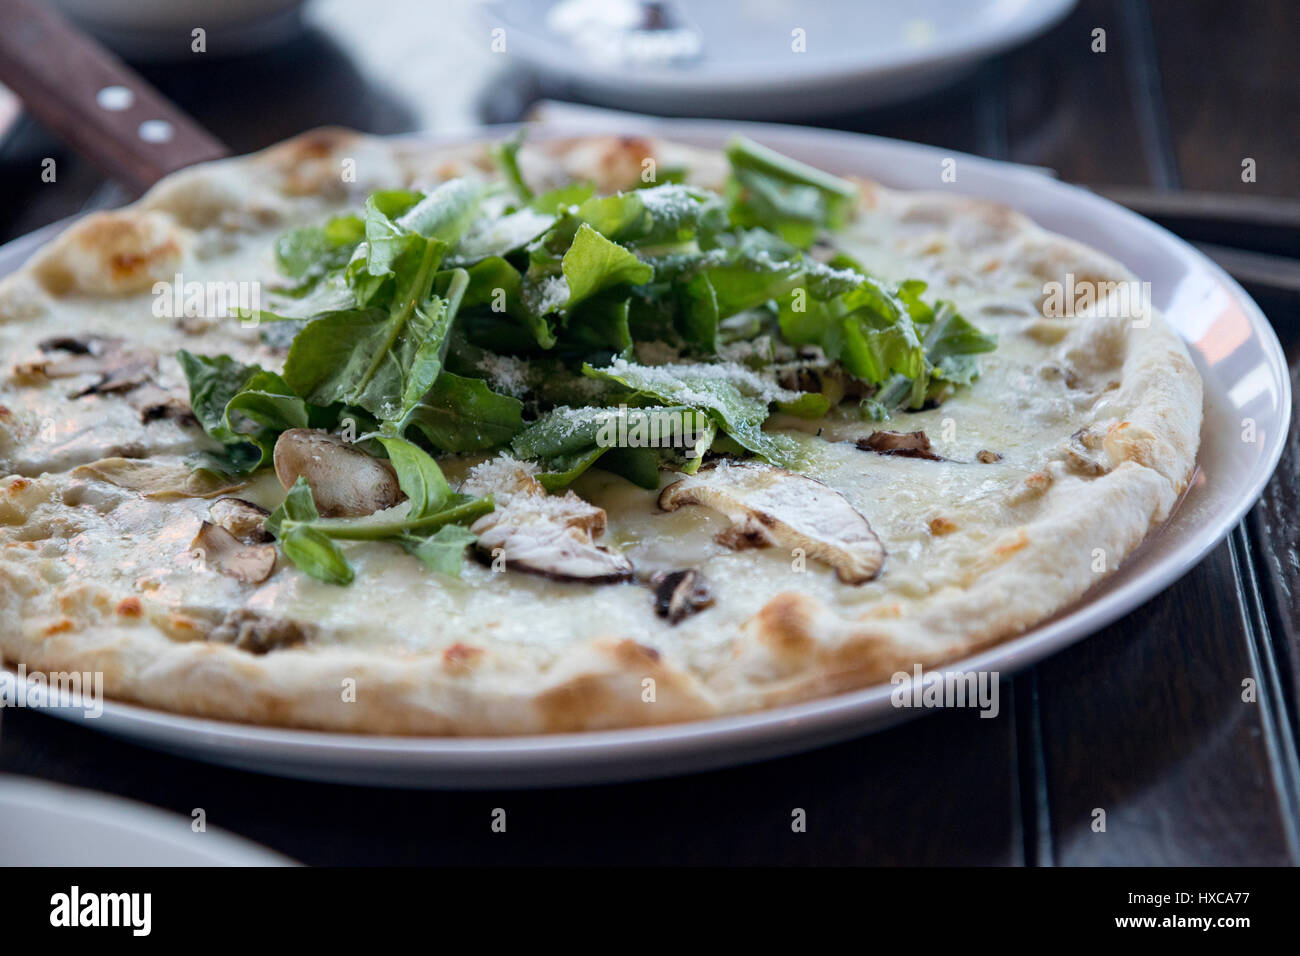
[345,481]
[222,551]
[552,535]
[241,518]
[771,506]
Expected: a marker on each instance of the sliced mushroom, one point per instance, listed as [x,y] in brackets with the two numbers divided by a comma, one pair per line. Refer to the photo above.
[774,506]
[987,457]
[222,551]
[241,518]
[119,368]
[345,481]
[257,633]
[551,535]
[121,372]
[155,404]
[71,344]
[165,481]
[679,594]
[903,444]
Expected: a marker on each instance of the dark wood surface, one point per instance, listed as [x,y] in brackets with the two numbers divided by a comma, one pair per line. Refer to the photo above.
[1144,720]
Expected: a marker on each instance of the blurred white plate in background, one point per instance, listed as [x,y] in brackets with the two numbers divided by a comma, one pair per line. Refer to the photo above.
[710,57]
[47,824]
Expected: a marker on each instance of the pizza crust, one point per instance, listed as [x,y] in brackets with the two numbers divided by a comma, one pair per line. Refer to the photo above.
[1016,553]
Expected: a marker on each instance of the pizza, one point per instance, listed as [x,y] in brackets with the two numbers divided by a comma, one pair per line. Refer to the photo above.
[363,435]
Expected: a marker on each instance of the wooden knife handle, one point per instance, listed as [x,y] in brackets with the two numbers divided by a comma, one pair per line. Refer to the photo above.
[93,101]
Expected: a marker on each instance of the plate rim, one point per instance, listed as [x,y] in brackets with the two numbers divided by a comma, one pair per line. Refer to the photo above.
[848,714]
[548,55]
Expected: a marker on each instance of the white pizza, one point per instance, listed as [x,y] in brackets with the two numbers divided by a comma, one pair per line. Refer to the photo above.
[359,435]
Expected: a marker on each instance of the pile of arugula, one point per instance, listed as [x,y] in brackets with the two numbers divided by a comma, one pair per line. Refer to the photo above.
[391,317]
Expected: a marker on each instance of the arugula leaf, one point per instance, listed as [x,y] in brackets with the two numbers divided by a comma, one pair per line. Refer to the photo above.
[506,155]
[242,406]
[462,414]
[869,329]
[700,315]
[303,544]
[571,440]
[740,415]
[951,342]
[562,198]
[445,213]
[418,475]
[310,252]
[601,322]
[784,195]
[493,282]
[309,540]
[383,362]
[594,263]
[666,215]
[316,555]
[566,469]
[499,236]
[443,551]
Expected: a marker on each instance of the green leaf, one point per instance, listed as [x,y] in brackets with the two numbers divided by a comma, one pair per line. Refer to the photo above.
[462,414]
[443,551]
[445,213]
[594,263]
[951,342]
[601,323]
[418,475]
[506,155]
[309,252]
[631,442]
[699,314]
[242,406]
[666,215]
[750,277]
[316,555]
[565,469]
[383,362]
[784,195]
[460,510]
[494,282]
[740,415]
[562,198]
[638,465]
[299,506]
[499,236]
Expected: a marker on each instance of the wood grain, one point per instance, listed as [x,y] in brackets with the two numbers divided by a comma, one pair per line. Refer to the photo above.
[95,102]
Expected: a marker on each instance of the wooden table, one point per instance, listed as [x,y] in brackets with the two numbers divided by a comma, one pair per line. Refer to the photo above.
[1144,720]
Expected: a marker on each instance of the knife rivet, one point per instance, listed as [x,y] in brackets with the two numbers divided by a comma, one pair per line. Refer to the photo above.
[156,131]
[115,98]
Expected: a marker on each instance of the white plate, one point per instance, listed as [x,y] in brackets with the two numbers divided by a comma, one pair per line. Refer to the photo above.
[856,52]
[47,824]
[1231,342]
